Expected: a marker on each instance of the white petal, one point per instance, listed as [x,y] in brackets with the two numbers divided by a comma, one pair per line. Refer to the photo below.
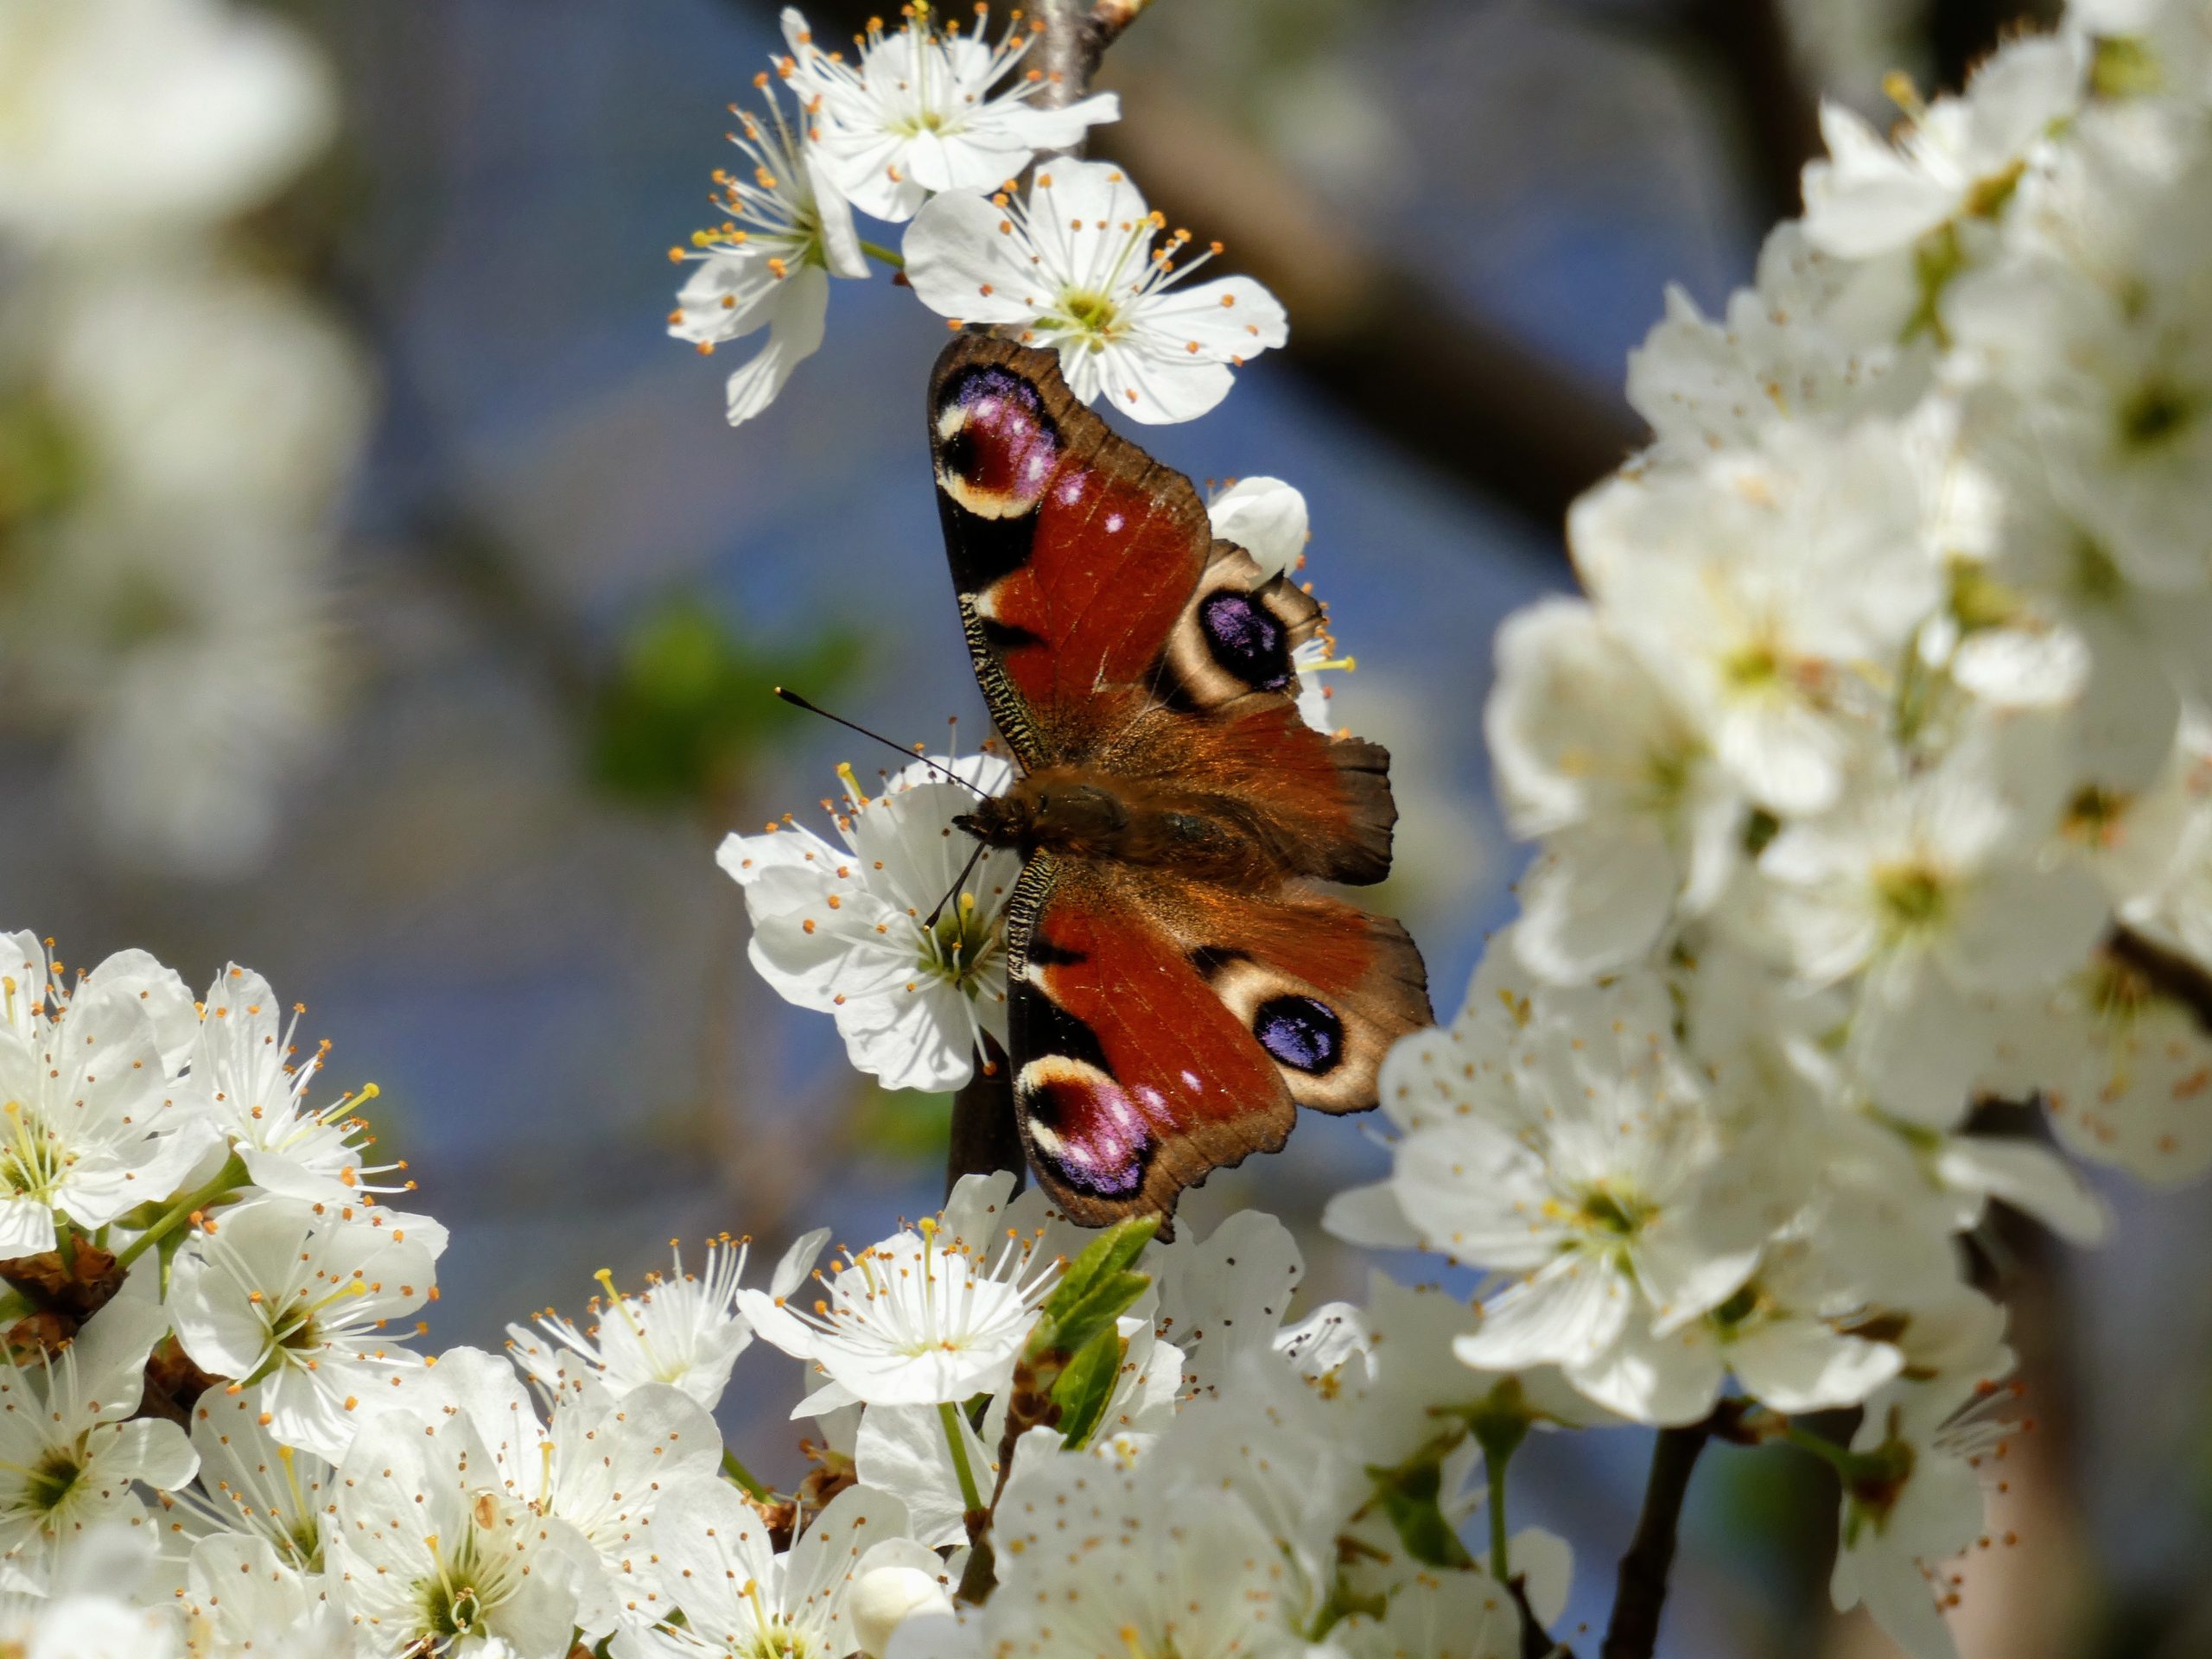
[1570,1313]
[1265,517]
[1648,1378]
[1597,899]
[2030,1178]
[963,261]
[1797,1364]
[796,317]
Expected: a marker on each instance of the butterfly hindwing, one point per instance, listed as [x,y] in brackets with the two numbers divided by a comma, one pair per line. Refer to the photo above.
[1162,1029]
[1131,1080]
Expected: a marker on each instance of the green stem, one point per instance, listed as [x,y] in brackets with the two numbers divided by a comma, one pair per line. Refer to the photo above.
[1838,1458]
[970,1496]
[1499,1433]
[1891,1461]
[754,1487]
[890,257]
[1500,1569]
[231,1176]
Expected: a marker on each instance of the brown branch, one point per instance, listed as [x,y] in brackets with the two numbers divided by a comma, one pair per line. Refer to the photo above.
[1779,123]
[2168,972]
[985,1136]
[1633,1631]
[1536,1641]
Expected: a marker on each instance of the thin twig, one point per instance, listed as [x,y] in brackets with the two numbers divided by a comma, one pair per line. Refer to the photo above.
[1537,1643]
[985,1136]
[1633,1631]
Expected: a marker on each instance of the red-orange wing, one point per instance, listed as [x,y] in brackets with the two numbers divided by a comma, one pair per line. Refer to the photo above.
[1110,629]
[1162,1029]
[1072,552]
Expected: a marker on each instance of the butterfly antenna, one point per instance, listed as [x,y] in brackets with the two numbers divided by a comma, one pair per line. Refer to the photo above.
[958,881]
[798,701]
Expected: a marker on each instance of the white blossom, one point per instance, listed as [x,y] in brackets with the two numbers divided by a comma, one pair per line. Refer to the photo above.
[438,1557]
[251,1485]
[72,1450]
[242,1599]
[1959,157]
[1936,892]
[739,1596]
[853,926]
[1771,592]
[935,1313]
[928,108]
[92,1129]
[292,1304]
[1072,266]
[95,1607]
[1596,759]
[786,231]
[249,1077]
[605,1466]
[132,118]
[682,1330]
[1559,1137]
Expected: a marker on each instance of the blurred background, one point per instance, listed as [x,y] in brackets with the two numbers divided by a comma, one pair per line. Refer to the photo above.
[384,605]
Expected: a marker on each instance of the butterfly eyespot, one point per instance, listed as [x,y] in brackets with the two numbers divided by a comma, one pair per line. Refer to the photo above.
[1084,1126]
[1246,640]
[1301,1032]
[996,451]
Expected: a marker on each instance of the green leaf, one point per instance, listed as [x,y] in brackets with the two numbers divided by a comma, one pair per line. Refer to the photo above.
[1085,1385]
[689,703]
[1095,1289]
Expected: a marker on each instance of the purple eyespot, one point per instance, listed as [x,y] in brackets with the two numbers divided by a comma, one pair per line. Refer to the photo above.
[1086,1130]
[1005,447]
[1301,1032]
[1246,640]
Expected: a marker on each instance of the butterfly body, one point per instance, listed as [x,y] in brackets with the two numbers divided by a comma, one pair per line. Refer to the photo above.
[1085,813]
[1177,985]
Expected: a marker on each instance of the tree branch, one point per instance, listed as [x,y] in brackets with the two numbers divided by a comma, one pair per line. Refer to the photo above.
[1076,35]
[1536,1641]
[1633,1631]
[2169,973]
[985,1136]
[1779,126]
[1960,33]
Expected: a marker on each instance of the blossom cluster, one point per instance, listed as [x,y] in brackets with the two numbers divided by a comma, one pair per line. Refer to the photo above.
[1023,1438]
[1872,791]
[930,125]
[1871,777]
[175,425]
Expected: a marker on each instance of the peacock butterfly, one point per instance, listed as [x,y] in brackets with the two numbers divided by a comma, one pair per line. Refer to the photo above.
[1178,988]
